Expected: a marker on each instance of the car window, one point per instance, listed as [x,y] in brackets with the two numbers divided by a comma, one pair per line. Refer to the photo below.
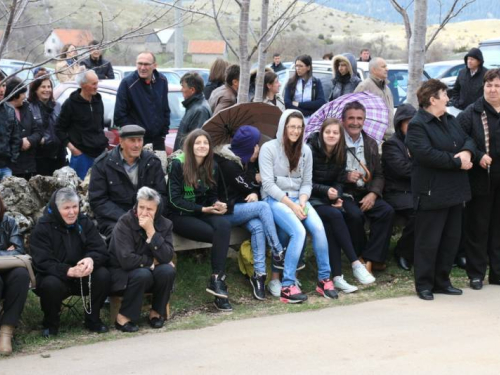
[326,82]
[172,78]
[399,85]
[435,71]
[491,54]
[454,72]
[177,110]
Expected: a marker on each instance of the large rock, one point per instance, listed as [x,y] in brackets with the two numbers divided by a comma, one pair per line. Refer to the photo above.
[24,223]
[18,196]
[67,176]
[162,155]
[44,186]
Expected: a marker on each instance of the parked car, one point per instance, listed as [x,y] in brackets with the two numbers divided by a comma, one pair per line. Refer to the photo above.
[12,66]
[204,73]
[108,89]
[123,71]
[491,52]
[446,71]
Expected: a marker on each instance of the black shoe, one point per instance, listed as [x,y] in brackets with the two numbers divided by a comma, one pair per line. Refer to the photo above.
[403,263]
[279,260]
[222,304]
[476,284]
[97,327]
[259,286]
[128,327]
[450,290]
[493,281]
[157,322]
[461,262]
[49,332]
[426,295]
[217,286]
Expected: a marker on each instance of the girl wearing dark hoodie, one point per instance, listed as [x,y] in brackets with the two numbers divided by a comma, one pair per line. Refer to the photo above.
[345,79]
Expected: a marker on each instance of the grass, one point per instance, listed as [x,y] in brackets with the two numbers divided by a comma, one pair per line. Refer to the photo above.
[192,308]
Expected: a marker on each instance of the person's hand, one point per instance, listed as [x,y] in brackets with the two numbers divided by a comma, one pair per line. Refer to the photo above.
[146,222]
[295,104]
[221,207]
[26,144]
[298,210]
[255,154]
[210,210]
[332,194]
[74,151]
[258,178]
[252,198]
[465,157]
[354,176]
[86,265]
[338,203]
[368,202]
[485,161]
[76,271]
[11,247]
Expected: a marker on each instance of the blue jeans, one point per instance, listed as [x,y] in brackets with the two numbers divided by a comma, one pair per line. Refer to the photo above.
[257,217]
[286,219]
[5,172]
[81,164]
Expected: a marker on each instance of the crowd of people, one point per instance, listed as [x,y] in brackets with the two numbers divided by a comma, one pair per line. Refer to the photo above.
[435,171]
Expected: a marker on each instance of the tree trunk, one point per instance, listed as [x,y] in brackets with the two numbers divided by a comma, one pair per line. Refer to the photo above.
[416,58]
[259,81]
[244,63]
[8,27]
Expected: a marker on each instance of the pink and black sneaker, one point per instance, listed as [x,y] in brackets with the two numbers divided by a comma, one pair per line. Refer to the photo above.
[292,294]
[326,289]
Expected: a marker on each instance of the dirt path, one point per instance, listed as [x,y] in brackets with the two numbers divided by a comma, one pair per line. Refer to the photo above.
[451,335]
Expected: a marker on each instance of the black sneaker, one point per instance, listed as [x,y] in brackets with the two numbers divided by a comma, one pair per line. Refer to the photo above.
[476,284]
[279,260]
[222,304]
[217,286]
[258,285]
[96,327]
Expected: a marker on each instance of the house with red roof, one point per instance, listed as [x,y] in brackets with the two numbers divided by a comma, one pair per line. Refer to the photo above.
[206,51]
[59,37]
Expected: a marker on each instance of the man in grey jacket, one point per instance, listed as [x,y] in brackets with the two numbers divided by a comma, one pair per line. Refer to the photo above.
[197,108]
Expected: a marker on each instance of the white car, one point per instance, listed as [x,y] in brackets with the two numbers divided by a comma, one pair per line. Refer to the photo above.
[445,71]
[123,71]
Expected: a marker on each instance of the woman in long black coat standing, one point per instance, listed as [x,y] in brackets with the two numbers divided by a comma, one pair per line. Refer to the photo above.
[442,154]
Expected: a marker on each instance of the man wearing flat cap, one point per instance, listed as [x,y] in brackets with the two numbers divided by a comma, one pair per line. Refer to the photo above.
[118,174]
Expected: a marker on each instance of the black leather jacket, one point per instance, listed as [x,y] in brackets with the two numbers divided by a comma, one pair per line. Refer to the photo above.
[10,235]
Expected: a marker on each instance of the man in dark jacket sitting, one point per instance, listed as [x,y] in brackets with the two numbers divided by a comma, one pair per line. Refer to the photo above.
[365,186]
[141,252]
[117,176]
[142,99]
[469,84]
[197,108]
[69,257]
[397,165]
[80,125]
[100,66]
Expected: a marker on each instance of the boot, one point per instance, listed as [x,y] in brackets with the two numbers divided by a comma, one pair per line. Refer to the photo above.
[6,333]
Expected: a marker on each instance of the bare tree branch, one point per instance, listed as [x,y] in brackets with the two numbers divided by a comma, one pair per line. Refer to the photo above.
[8,27]
[18,27]
[216,19]
[406,21]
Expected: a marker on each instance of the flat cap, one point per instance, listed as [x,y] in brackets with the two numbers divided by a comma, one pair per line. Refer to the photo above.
[129,131]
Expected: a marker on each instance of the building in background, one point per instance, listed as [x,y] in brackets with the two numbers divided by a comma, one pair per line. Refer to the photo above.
[206,51]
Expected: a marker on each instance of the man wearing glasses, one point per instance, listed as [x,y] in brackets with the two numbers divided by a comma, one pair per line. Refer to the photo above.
[142,99]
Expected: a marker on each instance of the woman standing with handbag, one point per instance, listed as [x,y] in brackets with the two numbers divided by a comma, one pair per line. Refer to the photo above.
[14,282]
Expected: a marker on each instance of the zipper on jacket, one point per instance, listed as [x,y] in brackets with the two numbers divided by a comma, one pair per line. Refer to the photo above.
[429,193]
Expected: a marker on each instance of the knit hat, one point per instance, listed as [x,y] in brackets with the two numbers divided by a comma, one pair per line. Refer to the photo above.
[244,141]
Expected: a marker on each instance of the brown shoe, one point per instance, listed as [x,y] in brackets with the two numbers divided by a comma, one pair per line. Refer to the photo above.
[368,264]
[6,333]
[377,266]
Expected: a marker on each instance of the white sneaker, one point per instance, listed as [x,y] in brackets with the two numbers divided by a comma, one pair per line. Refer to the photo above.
[343,285]
[362,275]
[274,287]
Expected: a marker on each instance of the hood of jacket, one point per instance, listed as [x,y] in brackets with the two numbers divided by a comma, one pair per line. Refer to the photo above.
[353,61]
[475,53]
[77,98]
[281,125]
[224,151]
[404,112]
[336,63]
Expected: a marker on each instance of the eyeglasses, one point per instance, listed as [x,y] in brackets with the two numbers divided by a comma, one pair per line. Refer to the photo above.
[146,65]
[295,128]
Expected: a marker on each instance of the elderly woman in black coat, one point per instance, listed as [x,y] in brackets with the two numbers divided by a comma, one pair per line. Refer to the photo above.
[141,261]
[442,154]
[69,257]
[481,121]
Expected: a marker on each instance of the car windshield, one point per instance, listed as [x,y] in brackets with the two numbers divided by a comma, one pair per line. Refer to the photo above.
[491,55]
[435,71]
[171,77]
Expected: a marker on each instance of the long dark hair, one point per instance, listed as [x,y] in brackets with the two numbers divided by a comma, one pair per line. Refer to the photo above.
[293,151]
[307,60]
[35,85]
[338,154]
[269,79]
[2,209]
[192,172]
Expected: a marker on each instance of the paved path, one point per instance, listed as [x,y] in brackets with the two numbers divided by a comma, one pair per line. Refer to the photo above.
[451,335]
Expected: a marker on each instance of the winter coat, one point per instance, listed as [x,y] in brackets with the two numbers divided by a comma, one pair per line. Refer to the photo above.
[210,87]
[101,67]
[188,200]
[28,128]
[347,83]
[197,112]
[45,116]
[471,123]
[236,181]
[82,123]
[67,70]
[112,194]
[280,103]
[380,88]
[143,104]
[437,181]
[306,108]
[278,68]
[129,250]
[467,88]
[396,163]
[277,179]
[326,174]
[56,246]
[222,97]
[10,136]
[10,235]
